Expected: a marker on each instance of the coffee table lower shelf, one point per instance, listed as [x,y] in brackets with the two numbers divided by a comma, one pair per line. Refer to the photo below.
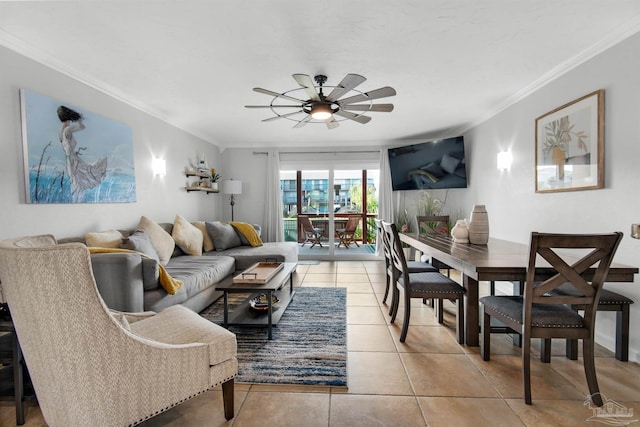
[244,315]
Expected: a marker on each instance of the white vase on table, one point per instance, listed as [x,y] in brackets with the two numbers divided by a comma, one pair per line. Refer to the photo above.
[479,225]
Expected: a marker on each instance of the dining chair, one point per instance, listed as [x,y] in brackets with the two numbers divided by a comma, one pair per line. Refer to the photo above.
[412,266]
[346,235]
[311,234]
[435,224]
[431,285]
[540,313]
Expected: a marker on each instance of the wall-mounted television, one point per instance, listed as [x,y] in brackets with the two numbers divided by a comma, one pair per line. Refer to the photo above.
[429,165]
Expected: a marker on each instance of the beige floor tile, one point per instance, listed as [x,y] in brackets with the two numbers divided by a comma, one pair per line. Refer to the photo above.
[351,267]
[505,373]
[323,267]
[377,373]
[284,410]
[353,278]
[426,339]
[318,285]
[320,278]
[380,277]
[463,411]
[369,338]
[367,300]
[356,287]
[32,416]
[365,316]
[446,375]
[355,410]
[554,413]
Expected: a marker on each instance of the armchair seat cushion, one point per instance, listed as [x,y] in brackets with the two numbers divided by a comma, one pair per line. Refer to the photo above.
[179,325]
[542,315]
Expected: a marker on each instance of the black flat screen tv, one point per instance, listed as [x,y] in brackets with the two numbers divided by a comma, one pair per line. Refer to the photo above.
[435,164]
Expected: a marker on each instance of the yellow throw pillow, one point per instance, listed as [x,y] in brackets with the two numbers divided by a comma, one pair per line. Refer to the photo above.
[187,236]
[207,243]
[162,241]
[248,232]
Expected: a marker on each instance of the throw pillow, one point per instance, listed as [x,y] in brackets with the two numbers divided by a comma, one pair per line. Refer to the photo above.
[162,241]
[104,239]
[187,236]
[224,236]
[140,242]
[247,233]
[449,163]
[207,243]
[421,172]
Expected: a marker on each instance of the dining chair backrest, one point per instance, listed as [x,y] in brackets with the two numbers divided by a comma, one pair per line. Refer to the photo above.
[398,260]
[570,256]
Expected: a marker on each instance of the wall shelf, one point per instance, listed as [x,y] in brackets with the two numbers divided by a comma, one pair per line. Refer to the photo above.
[203,178]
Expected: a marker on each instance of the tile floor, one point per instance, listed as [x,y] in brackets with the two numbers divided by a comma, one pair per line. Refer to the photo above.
[428,381]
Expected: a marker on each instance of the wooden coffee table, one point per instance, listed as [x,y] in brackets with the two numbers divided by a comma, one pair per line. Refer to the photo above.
[244,314]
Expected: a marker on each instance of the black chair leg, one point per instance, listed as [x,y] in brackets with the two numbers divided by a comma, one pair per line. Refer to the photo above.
[622,333]
[545,350]
[485,339]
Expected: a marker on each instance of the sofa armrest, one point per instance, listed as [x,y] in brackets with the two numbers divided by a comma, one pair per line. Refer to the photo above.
[119,280]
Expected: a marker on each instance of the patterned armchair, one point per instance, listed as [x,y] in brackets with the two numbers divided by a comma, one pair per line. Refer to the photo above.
[93,366]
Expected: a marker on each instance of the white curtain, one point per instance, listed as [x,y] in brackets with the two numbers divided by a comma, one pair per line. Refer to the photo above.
[274,227]
[385,194]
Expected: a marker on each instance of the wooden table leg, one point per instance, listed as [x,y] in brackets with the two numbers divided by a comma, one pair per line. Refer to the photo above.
[471,311]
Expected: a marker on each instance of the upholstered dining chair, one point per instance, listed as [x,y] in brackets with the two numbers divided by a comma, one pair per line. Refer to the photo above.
[412,266]
[90,366]
[346,235]
[311,234]
[540,313]
[428,285]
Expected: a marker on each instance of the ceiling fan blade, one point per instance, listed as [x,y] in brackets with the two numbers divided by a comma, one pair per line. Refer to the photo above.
[349,82]
[307,83]
[276,94]
[383,92]
[353,116]
[331,123]
[385,108]
[282,116]
[272,106]
[303,121]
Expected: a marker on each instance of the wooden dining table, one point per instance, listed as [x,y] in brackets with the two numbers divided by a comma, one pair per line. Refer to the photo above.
[498,260]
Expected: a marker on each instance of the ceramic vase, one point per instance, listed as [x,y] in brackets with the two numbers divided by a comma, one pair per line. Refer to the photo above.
[479,225]
[460,232]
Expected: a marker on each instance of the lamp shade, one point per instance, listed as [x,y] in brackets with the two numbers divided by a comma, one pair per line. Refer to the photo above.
[232,186]
[321,111]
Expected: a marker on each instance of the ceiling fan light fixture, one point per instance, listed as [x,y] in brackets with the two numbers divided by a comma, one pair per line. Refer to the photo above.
[321,111]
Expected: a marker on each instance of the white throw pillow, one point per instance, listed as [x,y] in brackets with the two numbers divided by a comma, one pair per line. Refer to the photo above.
[187,236]
[104,239]
[161,240]
[207,243]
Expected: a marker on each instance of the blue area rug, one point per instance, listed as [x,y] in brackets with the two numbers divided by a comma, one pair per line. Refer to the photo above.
[309,345]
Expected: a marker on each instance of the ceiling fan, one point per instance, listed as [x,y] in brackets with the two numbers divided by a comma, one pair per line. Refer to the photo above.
[321,108]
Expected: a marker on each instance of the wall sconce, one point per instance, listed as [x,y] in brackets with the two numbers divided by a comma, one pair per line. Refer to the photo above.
[504,160]
[232,187]
[159,166]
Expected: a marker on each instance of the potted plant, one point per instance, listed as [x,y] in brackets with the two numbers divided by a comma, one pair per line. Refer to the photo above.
[214,179]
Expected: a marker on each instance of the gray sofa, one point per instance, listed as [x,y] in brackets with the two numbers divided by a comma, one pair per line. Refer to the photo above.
[129,281]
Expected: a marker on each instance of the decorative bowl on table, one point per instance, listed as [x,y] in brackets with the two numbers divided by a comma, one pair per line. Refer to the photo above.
[260,302]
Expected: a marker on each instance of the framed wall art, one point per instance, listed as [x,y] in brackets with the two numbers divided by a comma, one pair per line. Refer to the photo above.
[72,155]
[570,146]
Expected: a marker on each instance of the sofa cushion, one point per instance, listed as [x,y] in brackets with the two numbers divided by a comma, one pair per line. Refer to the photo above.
[247,234]
[139,241]
[246,256]
[224,236]
[207,243]
[162,241]
[187,236]
[104,239]
[179,325]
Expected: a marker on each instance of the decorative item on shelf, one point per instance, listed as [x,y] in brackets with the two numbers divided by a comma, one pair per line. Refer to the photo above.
[214,178]
[479,225]
[460,232]
[261,303]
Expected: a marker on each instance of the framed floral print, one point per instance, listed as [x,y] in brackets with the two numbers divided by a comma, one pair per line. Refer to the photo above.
[570,146]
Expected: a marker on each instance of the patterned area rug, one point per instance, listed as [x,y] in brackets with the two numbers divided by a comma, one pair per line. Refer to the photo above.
[309,345]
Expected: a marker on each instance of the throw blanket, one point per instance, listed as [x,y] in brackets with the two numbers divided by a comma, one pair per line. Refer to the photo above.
[169,284]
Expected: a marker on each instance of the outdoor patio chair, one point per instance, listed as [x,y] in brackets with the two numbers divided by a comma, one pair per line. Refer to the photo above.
[311,234]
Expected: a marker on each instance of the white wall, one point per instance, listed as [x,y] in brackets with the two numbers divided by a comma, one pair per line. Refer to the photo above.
[159,198]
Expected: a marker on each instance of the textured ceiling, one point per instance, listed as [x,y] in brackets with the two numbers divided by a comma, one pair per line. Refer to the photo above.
[193,64]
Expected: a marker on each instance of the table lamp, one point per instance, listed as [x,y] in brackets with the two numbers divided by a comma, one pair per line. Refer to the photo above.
[232,187]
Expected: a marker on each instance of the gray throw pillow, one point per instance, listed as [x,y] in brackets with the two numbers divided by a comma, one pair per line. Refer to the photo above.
[449,163]
[434,169]
[224,236]
[140,242]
